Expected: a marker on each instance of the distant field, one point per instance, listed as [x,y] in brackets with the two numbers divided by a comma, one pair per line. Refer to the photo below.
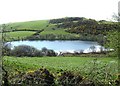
[68,28]
[57,32]
[31,25]
[26,29]
[19,34]
[56,63]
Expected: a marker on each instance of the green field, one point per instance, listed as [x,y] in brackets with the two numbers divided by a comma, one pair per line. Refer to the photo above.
[20,33]
[56,63]
[102,69]
[56,32]
[26,29]
[30,25]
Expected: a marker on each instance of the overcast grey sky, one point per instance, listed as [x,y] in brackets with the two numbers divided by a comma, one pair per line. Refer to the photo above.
[27,10]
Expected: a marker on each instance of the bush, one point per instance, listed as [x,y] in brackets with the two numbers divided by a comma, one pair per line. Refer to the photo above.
[40,77]
[48,52]
[100,73]
[25,50]
[69,79]
[6,49]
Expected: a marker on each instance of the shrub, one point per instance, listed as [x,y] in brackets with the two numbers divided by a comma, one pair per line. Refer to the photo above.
[40,77]
[25,50]
[48,52]
[51,53]
[6,49]
[93,49]
[69,79]
[100,73]
[117,81]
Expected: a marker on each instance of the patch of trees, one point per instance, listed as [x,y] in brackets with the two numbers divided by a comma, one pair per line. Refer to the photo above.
[67,19]
[93,32]
[73,24]
[87,26]
[88,29]
[113,42]
[52,37]
[14,30]
[29,51]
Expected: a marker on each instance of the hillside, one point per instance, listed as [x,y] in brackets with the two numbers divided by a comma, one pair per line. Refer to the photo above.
[69,28]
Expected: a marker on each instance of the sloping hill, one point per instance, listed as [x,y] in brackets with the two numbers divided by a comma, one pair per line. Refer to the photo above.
[31,29]
[30,25]
[69,28]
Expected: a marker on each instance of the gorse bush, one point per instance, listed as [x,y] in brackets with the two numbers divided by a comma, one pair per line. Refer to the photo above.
[91,73]
[40,77]
[68,78]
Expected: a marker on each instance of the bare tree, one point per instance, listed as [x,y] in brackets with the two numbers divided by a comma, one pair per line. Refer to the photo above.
[117,16]
[92,48]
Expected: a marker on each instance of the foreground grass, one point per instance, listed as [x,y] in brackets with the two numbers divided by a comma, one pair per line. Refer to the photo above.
[99,70]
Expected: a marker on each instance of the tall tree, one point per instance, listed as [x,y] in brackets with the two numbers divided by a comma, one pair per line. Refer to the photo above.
[4,71]
[113,39]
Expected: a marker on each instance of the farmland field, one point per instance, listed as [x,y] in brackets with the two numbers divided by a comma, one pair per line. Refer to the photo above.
[56,63]
[31,25]
[26,29]
[104,69]
[59,31]
[20,33]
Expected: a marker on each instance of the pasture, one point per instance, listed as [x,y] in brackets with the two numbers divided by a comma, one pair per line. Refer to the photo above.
[30,25]
[21,34]
[58,63]
[21,30]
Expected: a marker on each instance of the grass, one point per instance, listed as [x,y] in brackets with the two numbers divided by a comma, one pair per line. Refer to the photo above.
[19,34]
[84,66]
[55,63]
[30,25]
[56,32]
[25,28]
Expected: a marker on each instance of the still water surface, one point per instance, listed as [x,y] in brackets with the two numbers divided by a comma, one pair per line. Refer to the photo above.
[58,45]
